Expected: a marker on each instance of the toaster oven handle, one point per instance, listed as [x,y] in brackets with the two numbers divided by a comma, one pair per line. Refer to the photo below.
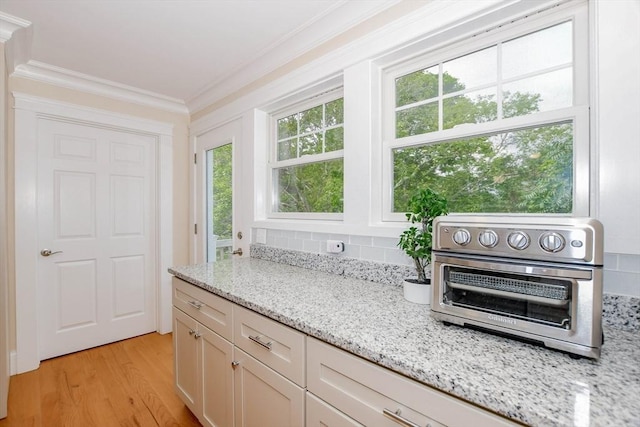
[510,295]
[522,268]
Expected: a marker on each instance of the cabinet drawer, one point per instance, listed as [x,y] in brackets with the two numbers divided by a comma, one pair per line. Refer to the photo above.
[365,392]
[212,311]
[276,345]
[319,414]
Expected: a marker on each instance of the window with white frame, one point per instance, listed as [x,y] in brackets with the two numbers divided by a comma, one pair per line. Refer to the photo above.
[307,168]
[498,123]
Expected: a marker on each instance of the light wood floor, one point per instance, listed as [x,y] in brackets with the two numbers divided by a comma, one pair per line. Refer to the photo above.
[128,383]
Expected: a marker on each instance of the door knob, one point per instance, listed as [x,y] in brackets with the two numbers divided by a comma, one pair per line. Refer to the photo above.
[237,252]
[47,252]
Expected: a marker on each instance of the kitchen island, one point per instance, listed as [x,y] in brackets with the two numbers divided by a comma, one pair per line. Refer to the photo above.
[523,382]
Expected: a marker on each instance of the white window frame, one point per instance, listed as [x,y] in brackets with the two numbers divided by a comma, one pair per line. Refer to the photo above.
[578,114]
[274,163]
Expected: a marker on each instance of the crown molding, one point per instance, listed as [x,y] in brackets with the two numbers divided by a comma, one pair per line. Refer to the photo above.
[336,21]
[9,24]
[62,77]
[15,34]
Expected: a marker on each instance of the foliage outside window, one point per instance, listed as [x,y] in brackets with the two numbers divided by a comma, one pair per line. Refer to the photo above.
[470,127]
[308,170]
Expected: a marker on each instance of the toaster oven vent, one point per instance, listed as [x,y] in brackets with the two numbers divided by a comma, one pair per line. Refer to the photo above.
[507,284]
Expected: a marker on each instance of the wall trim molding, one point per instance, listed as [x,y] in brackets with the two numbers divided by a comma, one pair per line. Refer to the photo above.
[41,72]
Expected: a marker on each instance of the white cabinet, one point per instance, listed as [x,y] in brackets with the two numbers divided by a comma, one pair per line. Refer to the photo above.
[234,367]
[375,396]
[202,328]
[320,414]
[185,360]
[212,311]
[270,371]
[277,346]
[263,397]
[203,374]
[224,385]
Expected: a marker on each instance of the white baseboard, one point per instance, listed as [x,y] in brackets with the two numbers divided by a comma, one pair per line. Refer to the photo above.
[13,363]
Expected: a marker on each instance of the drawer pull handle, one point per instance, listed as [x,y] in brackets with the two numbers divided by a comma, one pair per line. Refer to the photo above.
[257,340]
[196,336]
[191,332]
[234,364]
[195,304]
[395,416]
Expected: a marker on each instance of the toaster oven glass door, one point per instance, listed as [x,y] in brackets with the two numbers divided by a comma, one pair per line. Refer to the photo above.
[539,299]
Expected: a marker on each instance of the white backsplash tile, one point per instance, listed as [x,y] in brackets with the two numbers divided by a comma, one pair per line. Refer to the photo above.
[361,240]
[372,254]
[630,263]
[621,271]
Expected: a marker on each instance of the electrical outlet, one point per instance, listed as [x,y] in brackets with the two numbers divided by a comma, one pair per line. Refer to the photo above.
[335,246]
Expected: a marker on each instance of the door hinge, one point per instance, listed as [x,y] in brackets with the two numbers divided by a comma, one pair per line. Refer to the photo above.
[195,158]
[195,228]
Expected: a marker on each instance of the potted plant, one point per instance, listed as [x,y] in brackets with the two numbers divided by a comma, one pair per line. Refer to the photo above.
[416,241]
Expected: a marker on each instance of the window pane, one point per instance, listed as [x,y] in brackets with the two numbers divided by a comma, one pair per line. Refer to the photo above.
[540,93]
[417,120]
[334,112]
[469,71]
[288,126]
[314,187]
[538,51]
[334,139]
[311,119]
[219,203]
[287,149]
[524,171]
[418,86]
[310,144]
[472,107]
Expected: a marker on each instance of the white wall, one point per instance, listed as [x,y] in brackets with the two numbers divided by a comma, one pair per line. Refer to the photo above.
[617,132]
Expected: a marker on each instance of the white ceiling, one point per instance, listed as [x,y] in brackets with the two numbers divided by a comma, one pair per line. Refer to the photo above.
[180,48]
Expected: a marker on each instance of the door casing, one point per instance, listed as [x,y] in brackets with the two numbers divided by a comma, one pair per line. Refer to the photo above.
[28,110]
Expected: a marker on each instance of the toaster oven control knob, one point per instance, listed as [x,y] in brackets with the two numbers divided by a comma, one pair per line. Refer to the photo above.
[488,238]
[462,237]
[551,242]
[518,240]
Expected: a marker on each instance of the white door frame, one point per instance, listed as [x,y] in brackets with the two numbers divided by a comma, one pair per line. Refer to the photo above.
[28,110]
[232,132]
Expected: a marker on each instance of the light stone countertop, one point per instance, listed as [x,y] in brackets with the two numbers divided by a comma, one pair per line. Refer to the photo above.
[531,384]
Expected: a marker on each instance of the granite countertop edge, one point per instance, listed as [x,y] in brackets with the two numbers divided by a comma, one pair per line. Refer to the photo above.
[468,381]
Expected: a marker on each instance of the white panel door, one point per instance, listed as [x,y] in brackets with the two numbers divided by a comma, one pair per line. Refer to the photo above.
[96,217]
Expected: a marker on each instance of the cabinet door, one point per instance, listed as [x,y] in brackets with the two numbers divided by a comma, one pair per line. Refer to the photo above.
[185,356]
[320,414]
[217,378]
[263,397]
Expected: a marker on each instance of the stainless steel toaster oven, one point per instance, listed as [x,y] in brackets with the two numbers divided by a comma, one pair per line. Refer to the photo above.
[538,279]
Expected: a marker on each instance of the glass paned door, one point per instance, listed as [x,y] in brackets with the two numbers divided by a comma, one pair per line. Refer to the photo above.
[219,194]
[218,223]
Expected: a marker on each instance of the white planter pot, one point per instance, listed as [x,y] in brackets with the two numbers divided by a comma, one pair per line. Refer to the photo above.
[419,293]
